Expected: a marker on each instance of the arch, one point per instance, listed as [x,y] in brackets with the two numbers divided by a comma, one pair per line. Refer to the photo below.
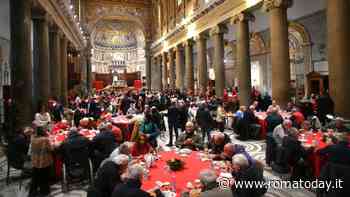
[304,34]
[257,44]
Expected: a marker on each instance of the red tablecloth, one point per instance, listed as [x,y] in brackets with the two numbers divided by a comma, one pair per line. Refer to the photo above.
[193,166]
[314,157]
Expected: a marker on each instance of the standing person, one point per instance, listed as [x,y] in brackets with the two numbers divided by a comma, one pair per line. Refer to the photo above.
[41,160]
[220,117]
[172,122]
[182,115]
[204,121]
[150,129]
[57,111]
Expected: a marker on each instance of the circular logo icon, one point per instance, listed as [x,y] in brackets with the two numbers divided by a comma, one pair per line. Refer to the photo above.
[225,182]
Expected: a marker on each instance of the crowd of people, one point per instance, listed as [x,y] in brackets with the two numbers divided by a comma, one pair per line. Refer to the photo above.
[192,122]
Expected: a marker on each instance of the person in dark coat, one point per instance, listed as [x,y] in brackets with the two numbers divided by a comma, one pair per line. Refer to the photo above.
[172,122]
[325,105]
[204,121]
[132,185]
[108,176]
[243,172]
[272,120]
[103,145]
[125,104]
[338,153]
[182,115]
[18,147]
[57,111]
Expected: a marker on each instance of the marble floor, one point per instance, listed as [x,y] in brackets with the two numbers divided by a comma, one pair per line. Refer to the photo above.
[255,148]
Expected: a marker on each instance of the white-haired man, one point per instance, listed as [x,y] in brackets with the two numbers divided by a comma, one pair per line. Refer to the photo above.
[132,186]
[282,131]
[108,175]
[208,180]
[243,172]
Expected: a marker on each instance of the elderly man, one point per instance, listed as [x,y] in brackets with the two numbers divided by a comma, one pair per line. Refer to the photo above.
[218,141]
[132,186]
[242,171]
[338,153]
[189,139]
[281,131]
[337,125]
[232,149]
[210,186]
[108,175]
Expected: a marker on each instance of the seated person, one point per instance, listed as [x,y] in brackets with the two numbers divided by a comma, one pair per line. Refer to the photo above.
[103,144]
[150,129]
[273,119]
[297,117]
[218,141]
[108,176]
[209,185]
[74,140]
[338,153]
[232,149]
[189,139]
[141,146]
[18,148]
[295,155]
[242,171]
[281,131]
[132,186]
[337,125]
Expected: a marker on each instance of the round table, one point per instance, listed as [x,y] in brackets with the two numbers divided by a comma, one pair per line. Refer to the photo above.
[158,172]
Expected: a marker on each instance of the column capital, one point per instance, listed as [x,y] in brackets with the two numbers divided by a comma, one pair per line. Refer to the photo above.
[243,16]
[218,29]
[179,47]
[188,43]
[272,4]
[201,36]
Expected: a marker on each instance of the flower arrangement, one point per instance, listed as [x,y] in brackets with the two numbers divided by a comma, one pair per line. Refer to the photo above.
[175,164]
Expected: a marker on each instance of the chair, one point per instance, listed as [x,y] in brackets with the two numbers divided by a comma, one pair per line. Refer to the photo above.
[76,167]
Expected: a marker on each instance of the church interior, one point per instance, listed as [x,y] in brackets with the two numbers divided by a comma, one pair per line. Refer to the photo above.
[65,52]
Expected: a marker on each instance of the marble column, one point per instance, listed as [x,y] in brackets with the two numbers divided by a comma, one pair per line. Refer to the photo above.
[148,66]
[64,70]
[165,70]
[160,73]
[202,70]
[338,27]
[180,68]
[88,70]
[21,63]
[171,69]
[243,57]
[43,69]
[189,69]
[217,35]
[281,88]
[55,64]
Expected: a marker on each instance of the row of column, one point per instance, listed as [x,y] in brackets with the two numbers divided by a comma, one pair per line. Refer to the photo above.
[279,56]
[181,57]
[34,82]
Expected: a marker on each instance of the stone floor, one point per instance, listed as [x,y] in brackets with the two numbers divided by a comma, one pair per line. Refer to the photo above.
[255,148]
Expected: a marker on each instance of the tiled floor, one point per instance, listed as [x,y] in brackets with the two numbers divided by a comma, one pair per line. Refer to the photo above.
[255,148]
